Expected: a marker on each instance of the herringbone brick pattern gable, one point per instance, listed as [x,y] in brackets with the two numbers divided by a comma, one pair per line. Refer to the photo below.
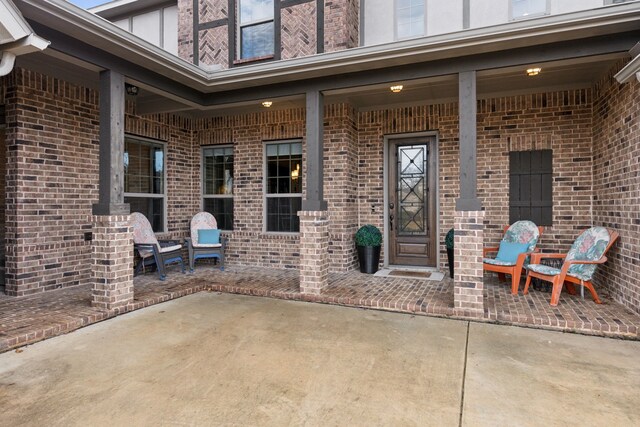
[212,10]
[299,30]
[214,48]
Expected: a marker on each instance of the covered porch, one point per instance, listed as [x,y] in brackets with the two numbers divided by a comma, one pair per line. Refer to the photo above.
[68,205]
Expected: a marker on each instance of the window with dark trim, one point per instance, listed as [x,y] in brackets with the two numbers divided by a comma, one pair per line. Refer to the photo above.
[256,28]
[283,186]
[217,184]
[531,186]
[144,180]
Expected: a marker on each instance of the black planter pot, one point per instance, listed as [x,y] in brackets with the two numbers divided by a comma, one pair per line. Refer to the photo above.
[450,259]
[369,257]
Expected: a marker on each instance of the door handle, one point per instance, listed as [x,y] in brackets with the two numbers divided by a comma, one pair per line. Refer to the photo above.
[391,206]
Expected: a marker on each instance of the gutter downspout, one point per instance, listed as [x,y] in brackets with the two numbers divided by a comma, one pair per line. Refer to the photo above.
[28,44]
[6,63]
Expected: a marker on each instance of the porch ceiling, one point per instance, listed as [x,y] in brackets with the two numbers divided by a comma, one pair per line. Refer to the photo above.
[565,74]
[556,75]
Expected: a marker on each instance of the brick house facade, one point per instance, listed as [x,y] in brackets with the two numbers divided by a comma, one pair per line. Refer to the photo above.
[52,239]
[301,31]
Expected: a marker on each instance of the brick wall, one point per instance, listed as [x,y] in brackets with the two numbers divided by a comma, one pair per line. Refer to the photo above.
[213,42]
[616,135]
[557,120]
[374,125]
[3,199]
[52,125]
[182,188]
[299,32]
[52,178]
[341,24]
[185,30]
[248,243]
[560,121]
[468,286]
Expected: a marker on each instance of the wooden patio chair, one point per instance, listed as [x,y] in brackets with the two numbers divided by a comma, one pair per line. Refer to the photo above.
[152,251]
[199,249]
[520,232]
[580,263]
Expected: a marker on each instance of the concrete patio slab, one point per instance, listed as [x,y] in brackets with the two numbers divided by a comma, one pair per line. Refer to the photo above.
[525,377]
[214,359]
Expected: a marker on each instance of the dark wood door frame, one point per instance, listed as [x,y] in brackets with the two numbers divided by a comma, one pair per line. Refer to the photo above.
[431,241]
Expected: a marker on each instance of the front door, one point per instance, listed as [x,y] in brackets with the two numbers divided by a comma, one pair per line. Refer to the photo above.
[412,202]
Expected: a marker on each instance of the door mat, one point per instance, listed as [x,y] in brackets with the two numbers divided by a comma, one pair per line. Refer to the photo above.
[411,274]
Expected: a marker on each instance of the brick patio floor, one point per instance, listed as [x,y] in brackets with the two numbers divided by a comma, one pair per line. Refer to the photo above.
[32,318]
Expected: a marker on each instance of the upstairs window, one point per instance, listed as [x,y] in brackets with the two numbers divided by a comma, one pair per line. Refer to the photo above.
[528,8]
[409,18]
[159,27]
[283,186]
[217,184]
[144,180]
[531,186]
[256,28]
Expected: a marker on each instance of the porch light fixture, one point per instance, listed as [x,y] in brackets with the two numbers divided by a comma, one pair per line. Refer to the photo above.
[131,89]
[267,104]
[396,88]
[534,71]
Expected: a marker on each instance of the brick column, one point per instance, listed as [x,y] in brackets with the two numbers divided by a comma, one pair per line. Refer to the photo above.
[468,284]
[112,261]
[314,251]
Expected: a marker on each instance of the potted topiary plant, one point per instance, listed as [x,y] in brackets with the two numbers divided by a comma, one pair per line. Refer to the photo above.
[368,242]
[448,241]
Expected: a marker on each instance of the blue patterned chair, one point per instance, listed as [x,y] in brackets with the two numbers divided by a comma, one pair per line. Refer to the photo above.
[579,265]
[525,233]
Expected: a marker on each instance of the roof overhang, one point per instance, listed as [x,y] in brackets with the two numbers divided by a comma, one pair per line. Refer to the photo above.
[16,36]
[117,8]
[78,24]
[632,68]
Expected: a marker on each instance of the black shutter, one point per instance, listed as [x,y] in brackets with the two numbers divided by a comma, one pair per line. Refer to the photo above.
[530,186]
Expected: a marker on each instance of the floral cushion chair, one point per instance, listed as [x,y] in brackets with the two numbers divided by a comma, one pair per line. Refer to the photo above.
[150,250]
[205,241]
[519,241]
[579,263]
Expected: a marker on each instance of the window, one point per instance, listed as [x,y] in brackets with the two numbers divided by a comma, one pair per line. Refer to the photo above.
[409,18]
[284,186]
[616,1]
[528,8]
[144,188]
[217,184]
[256,28]
[530,186]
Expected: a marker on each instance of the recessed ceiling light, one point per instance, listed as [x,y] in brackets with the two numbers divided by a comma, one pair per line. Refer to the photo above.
[396,88]
[267,104]
[534,71]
